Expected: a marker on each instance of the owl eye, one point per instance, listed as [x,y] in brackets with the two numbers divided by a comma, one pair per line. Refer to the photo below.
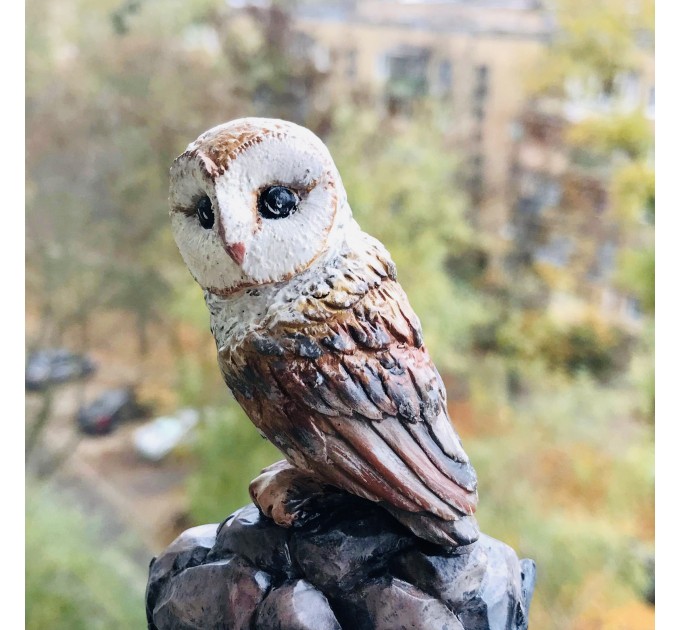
[277,202]
[204,210]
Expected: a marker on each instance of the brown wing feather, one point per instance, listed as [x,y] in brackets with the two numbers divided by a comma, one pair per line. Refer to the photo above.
[355,398]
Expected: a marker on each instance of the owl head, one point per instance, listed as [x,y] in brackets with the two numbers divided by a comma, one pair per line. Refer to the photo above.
[255,201]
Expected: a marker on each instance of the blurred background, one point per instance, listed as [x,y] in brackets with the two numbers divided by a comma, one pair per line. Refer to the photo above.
[503,150]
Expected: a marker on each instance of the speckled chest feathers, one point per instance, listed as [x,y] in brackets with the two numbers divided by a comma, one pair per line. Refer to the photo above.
[343,290]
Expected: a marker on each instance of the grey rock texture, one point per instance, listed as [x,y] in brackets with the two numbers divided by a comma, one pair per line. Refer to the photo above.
[353,567]
[296,605]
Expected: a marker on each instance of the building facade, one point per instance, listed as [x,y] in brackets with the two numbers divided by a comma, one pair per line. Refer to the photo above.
[470,55]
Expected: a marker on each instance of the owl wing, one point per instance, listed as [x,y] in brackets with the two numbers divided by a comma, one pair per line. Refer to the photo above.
[355,398]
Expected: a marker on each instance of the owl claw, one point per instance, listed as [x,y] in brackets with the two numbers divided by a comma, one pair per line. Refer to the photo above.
[286,494]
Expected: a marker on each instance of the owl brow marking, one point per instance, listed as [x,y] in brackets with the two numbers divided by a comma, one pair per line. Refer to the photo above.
[224,150]
[208,160]
[226,158]
[190,210]
[207,167]
[301,190]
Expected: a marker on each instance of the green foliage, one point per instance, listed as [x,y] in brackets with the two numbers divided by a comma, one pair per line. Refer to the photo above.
[230,453]
[586,346]
[581,348]
[597,45]
[73,581]
[631,134]
[637,275]
[633,189]
[199,382]
[567,478]
[101,137]
[595,40]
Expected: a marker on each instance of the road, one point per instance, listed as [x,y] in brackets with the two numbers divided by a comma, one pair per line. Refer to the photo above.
[105,475]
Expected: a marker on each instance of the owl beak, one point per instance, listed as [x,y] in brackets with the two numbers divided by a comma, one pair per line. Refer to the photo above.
[236,251]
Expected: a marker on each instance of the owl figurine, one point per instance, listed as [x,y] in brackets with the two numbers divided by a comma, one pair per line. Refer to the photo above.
[315,337]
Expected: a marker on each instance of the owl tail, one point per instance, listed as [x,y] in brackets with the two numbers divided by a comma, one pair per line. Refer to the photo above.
[461,532]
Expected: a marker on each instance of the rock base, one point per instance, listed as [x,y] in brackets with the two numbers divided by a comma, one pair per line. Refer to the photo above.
[354,567]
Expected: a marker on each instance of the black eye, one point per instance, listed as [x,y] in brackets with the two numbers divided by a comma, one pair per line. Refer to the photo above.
[277,202]
[205,212]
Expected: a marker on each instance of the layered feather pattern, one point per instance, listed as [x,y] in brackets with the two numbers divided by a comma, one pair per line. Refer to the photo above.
[347,390]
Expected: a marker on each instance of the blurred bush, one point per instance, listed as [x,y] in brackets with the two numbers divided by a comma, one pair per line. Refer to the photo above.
[566,476]
[75,580]
[230,453]
[603,351]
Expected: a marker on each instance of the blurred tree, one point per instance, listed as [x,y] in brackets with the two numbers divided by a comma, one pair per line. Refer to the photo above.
[589,346]
[105,122]
[282,71]
[595,43]
[589,94]
[101,133]
[596,59]
[590,466]
[629,141]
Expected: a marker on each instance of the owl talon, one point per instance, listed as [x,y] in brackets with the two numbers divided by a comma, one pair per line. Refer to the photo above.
[286,494]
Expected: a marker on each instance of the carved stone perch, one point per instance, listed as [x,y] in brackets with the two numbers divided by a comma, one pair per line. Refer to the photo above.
[349,564]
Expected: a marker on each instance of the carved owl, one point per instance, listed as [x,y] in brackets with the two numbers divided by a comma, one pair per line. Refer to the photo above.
[316,338]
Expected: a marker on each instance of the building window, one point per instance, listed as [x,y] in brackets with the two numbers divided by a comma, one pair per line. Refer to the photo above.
[476,177]
[481,82]
[600,201]
[480,92]
[516,130]
[605,260]
[445,77]
[544,189]
[606,257]
[528,206]
[407,77]
[478,164]
[351,66]
[381,68]
[628,85]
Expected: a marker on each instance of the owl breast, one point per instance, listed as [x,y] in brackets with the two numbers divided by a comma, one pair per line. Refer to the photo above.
[330,288]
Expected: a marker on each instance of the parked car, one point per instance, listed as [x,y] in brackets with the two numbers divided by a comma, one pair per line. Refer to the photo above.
[46,367]
[155,439]
[109,410]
